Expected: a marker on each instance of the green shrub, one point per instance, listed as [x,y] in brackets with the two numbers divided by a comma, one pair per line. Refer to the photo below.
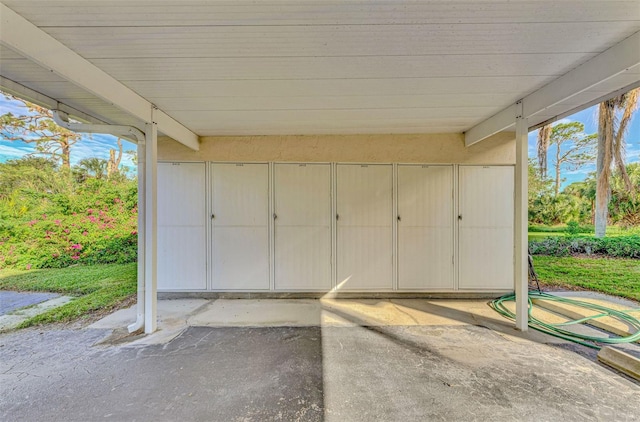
[619,247]
[93,222]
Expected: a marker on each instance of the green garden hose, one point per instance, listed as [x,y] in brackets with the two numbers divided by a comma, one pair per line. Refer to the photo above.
[556,329]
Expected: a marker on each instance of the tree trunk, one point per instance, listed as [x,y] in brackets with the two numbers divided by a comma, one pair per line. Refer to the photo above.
[544,134]
[603,165]
[65,155]
[114,162]
[630,102]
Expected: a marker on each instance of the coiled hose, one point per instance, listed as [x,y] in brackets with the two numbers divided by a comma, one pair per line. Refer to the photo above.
[557,330]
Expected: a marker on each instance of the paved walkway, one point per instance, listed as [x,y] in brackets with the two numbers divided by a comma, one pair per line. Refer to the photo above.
[10,301]
[411,360]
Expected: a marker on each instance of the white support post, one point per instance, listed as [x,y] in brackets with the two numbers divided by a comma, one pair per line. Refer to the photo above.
[150,227]
[521,220]
[140,314]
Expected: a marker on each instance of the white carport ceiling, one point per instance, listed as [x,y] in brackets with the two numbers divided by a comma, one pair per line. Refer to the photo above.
[312,67]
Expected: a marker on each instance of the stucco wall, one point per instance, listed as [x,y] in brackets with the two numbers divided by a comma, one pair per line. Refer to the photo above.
[420,148]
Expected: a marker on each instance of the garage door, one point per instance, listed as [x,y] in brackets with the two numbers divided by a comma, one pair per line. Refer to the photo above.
[364,227]
[302,226]
[181,226]
[425,234]
[240,226]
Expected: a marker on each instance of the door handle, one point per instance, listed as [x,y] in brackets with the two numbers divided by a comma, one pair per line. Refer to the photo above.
[460,217]
[275,216]
[399,219]
[213,216]
[337,217]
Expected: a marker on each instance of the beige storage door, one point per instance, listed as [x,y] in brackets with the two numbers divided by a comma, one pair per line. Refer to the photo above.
[302,226]
[181,226]
[485,227]
[364,227]
[425,227]
[240,226]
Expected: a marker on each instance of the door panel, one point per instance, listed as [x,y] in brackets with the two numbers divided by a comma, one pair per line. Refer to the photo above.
[425,227]
[240,194]
[364,244]
[181,264]
[240,225]
[303,226]
[303,258]
[240,258]
[181,226]
[486,227]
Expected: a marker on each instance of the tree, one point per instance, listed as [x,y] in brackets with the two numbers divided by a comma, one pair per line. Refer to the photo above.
[574,148]
[614,116]
[37,127]
[91,167]
[544,136]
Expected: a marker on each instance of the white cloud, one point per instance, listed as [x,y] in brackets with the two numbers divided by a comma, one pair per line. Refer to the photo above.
[580,171]
[14,152]
[562,121]
[87,147]
[12,106]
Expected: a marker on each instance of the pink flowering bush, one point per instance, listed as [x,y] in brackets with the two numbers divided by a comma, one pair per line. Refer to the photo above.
[93,222]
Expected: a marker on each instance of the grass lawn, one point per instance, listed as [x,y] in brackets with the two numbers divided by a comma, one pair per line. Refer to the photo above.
[97,288]
[618,277]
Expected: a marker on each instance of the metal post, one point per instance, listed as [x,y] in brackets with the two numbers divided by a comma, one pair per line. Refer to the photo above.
[521,219]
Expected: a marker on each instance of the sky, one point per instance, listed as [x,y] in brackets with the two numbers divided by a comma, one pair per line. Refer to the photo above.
[94,145]
[98,145]
[588,117]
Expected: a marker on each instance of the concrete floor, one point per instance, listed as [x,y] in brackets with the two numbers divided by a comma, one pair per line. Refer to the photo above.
[334,360]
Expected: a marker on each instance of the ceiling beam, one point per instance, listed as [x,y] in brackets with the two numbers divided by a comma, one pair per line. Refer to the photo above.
[574,110]
[28,40]
[35,97]
[612,62]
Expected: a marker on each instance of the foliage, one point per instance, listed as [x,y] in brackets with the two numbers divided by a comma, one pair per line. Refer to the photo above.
[624,207]
[577,201]
[49,219]
[620,246]
[617,277]
[573,228]
[96,287]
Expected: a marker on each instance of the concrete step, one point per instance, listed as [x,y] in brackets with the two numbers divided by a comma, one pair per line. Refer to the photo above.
[620,360]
